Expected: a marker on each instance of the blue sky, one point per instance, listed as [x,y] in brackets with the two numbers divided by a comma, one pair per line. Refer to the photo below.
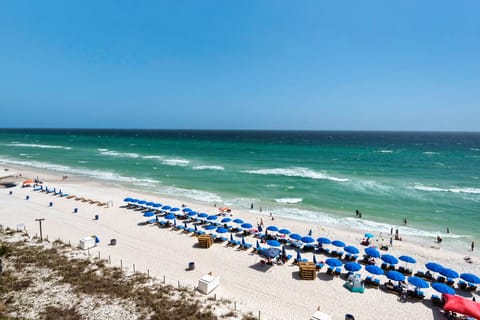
[313,65]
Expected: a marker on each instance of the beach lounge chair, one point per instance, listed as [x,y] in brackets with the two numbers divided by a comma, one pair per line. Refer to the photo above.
[245,246]
[390,287]
[441,279]
[330,270]
[436,300]
[372,282]
[319,265]
[416,294]
[337,271]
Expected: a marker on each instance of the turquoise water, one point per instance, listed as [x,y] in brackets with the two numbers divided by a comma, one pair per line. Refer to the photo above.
[432,179]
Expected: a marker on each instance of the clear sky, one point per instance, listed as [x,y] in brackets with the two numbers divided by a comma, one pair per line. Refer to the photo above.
[313,65]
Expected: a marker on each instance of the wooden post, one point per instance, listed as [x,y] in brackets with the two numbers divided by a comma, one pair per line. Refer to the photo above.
[98,254]
[109,260]
[121,264]
[148,273]
[258,314]
[163,279]
[234,305]
[134,268]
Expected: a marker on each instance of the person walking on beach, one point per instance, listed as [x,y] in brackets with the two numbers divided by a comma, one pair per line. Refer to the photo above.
[391,231]
[473,245]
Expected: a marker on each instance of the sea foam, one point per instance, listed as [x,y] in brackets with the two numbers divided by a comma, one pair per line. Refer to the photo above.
[297,172]
[451,189]
[219,168]
[33,145]
[289,200]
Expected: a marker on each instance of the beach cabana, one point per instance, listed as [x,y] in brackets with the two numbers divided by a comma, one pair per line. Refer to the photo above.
[461,305]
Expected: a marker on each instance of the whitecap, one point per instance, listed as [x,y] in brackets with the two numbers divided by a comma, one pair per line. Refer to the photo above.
[289,200]
[33,145]
[198,195]
[297,172]
[469,190]
[112,153]
[431,153]
[175,162]
[153,157]
[384,151]
[219,168]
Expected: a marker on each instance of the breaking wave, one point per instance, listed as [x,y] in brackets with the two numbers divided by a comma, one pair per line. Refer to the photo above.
[32,145]
[297,172]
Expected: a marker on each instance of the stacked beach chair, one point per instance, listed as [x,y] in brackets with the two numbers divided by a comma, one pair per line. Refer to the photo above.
[308,270]
[205,241]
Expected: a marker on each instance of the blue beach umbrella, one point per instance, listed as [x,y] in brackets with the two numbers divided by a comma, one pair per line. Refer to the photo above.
[141,202]
[273,243]
[395,275]
[246,226]
[470,277]
[157,205]
[433,266]
[352,266]
[150,204]
[338,243]
[203,215]
[169,216]
[148,214]
[307,239]
[238,221]
[373,269]
[209,227]
[231,237]
[418,282]
[295,236]
[449,273]
[333,262]
[97,240]
[442,288]
[407,259]
[372,252]
[221,230]
[243,240]
[226,220]
[175,209]
[284,231]
[191,213]
[323,240]
[211,218]
[127,199]
[186,210]
[299,256]
[166,207]
[369,235]
[257,245]
[134,201]
[388,258]
[351,249]
[272,228]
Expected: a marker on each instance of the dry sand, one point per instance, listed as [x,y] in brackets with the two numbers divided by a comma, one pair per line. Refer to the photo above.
[274,291]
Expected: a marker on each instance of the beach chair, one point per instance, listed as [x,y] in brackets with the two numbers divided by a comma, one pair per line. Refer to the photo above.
[450,282]
[416,294]
[436,300]
[319,265]
[471,287]
[245,246]
[441,279]
[337,271]
[330,270]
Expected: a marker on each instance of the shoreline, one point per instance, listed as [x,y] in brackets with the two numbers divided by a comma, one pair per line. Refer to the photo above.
[141,243]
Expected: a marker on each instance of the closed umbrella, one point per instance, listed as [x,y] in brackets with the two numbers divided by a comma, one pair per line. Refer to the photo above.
[352,266]
[442,288]
[314,259]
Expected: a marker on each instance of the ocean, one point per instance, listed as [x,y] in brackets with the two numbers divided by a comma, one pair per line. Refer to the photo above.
[430,178]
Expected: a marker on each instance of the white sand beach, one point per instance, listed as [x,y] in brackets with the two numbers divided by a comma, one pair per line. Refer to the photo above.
[274,291]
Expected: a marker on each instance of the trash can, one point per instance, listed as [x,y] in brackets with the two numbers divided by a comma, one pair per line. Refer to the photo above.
[96,217]
[113,242]
[50,204]
[75,210]
[27,197]
[191,266]
[349,317]
[11,192]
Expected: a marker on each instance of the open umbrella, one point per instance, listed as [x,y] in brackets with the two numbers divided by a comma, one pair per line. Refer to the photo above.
[148,214]
[449,273]
[191,213]
[352,266]
[388,258]
[175,209]
[372,252]
[157,205]
[351,249]
[333,262]
[418,282]
[203,215]
[323,240]
[307,239]
[395,275]
[369,235]
[226,220]
[433,266]
[470,277]
[150,204]
[373,269]
[295,236]
[238,221]
[209,227]
[211,218]
[246,226]
[221,230]
[273,243]
[272,228]
[125,200]
[442,288]
[166,208]
[338,243]
[284,231]
[186,210]
[407,259]
[169,216]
